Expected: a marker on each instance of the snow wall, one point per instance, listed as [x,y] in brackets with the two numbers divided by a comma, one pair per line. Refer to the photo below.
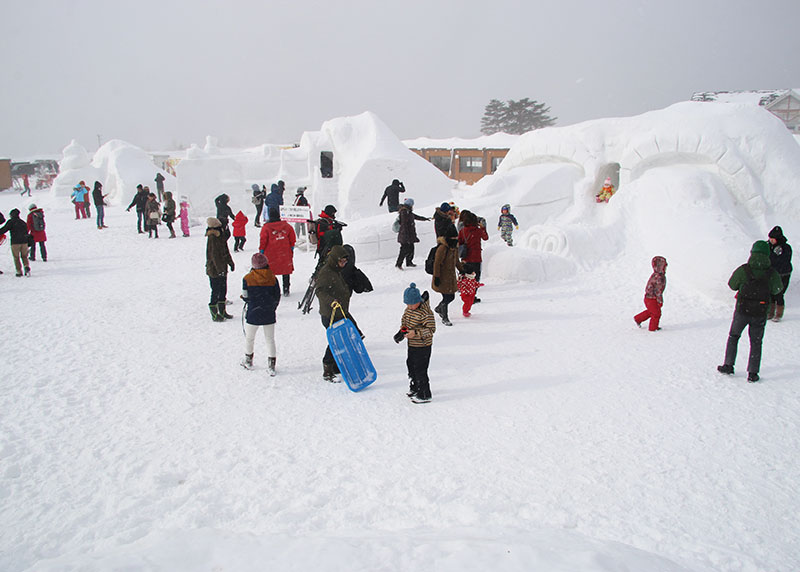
[366,157]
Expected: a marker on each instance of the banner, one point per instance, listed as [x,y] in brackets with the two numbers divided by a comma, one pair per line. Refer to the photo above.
[295,214]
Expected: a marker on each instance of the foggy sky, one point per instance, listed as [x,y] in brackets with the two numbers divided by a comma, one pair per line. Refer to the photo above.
[159,73]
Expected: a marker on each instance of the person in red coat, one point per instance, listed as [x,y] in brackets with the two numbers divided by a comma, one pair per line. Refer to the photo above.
[469,238]
[277,244]
[239,231]
[36,228]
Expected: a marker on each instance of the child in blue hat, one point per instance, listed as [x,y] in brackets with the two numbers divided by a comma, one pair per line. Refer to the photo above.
[418,326]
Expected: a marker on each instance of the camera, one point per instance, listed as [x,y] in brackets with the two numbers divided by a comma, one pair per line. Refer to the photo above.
[400,335]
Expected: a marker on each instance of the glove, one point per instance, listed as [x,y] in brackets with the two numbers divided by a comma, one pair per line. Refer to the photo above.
[436,281]
[128,210]
[233,267]
[517,227]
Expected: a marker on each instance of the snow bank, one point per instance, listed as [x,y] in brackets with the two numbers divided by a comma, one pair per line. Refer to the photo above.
[118,165]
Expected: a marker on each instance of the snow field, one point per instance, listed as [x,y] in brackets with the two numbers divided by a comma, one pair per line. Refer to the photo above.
[560,436]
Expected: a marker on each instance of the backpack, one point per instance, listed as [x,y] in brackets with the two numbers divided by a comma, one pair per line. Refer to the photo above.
[754,294]
[37,221]
[430,259]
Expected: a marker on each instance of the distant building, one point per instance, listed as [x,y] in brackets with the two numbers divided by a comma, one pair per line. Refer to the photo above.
[783,103]
[466,160]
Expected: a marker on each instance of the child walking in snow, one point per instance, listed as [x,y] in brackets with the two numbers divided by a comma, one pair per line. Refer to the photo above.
[505,224]
[239,231]
[261,293]
[418,326]
[653,295]
[184,215]
[468,287]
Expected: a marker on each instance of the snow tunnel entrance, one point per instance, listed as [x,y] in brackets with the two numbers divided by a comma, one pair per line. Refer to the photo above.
[326,164]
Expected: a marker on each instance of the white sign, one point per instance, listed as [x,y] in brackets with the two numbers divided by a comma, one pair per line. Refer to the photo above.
[295,214]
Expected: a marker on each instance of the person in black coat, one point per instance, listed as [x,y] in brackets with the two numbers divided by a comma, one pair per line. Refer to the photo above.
[780,257]
[407,235]
[224,213]
[392,195]
[259,194]
[19,241]
[139,201]
[442,220]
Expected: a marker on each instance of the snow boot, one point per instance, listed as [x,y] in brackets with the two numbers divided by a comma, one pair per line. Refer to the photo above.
[221,311]
[417,399]
[28,273]
[247,362]
[778,313]
[443,315]
[329,372]
[214,314]
[271,366]
[752,377]
[771,311]
[726,369]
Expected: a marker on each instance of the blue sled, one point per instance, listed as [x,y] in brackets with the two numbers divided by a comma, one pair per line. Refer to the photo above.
[351,355]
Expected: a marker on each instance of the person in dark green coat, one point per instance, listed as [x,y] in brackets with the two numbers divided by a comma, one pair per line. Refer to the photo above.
[755,283]
[332,288]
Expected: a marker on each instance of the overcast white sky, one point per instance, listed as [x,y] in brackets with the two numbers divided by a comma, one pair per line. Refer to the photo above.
[159,73]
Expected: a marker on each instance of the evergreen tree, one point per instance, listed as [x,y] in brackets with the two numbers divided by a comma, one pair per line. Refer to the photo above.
[515,117]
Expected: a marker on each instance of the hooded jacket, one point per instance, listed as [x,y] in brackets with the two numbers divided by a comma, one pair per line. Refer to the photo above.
[239,224]
[760,266]
[169,205]
[275,198]
[277,244]
[38,235]
[408,228]
[17,227]
[331,285]
[658,280]
[441,221]
[218,257]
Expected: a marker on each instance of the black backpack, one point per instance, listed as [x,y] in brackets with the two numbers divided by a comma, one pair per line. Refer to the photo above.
[754,294]
[430,259]
[37,221]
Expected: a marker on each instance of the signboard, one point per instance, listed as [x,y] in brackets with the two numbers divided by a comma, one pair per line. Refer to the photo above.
[295,214]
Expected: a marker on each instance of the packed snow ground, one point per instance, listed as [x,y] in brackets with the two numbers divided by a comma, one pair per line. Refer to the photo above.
[560,436]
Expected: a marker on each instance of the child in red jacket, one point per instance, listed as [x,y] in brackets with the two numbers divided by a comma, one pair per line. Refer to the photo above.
[653,295]
[468,286]
[239,231]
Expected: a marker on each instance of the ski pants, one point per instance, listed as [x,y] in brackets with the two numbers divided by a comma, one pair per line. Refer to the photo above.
[42,249]
[468,300]
[250,338]
[406,253]
[80,211]
[219,288]
[652,313]
[417,363]
[755,329]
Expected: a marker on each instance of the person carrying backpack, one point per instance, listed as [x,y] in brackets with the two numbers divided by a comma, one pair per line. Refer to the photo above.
[755,282]
[36,228]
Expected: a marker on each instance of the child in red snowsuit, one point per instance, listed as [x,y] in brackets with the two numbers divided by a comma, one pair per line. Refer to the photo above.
[468,286]
[653,295]
[239,231]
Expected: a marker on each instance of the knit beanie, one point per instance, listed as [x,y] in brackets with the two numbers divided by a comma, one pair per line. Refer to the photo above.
[760,247]
[32,207]
[259,261]
[409,202]
[776,233]
[444,208]
[411,295]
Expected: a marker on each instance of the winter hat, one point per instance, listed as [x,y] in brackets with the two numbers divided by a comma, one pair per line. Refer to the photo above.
[505,208]
[329,210]
[411,295]
[444,207]
[258,260]
[212,222]
[409,202]
[776,233]
[32,207]
[760,247]
[607,182]
[255,188]
[274,215]
[301,190]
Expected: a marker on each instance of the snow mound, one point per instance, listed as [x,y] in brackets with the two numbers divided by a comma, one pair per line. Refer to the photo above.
[118,165]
